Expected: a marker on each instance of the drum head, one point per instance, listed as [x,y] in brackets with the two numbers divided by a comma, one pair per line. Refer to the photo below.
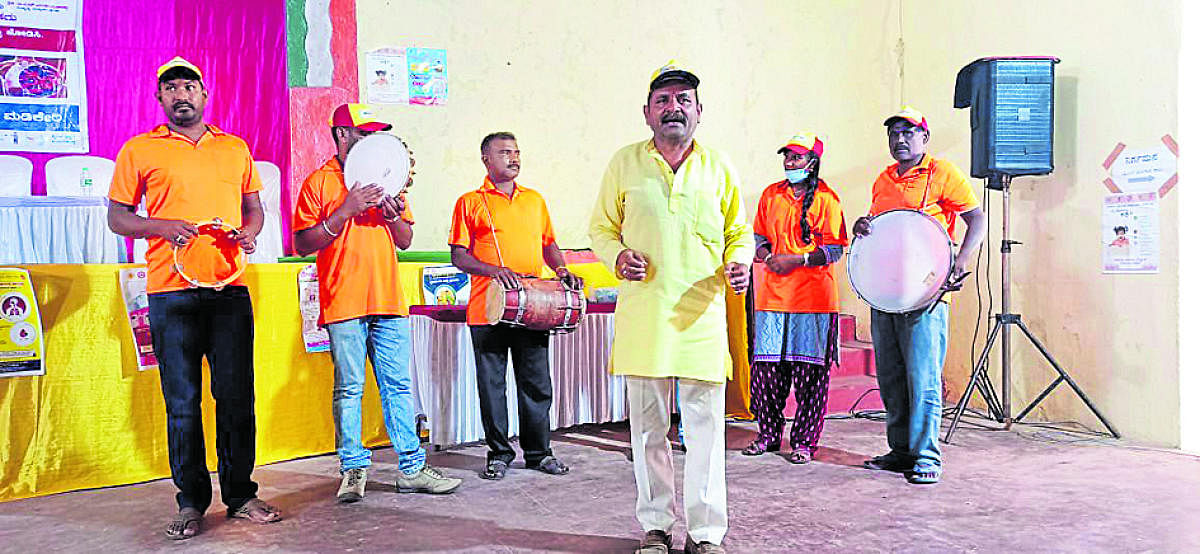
[902,265]
[212,259]
[379,158]
[494,308]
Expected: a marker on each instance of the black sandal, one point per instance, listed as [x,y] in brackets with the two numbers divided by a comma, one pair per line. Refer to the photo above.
[551,465]
[758,448]
[495,471]
[800,456]
[187,518]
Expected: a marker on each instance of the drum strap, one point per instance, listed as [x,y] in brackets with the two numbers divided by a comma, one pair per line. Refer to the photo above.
[928,184]
[492,225]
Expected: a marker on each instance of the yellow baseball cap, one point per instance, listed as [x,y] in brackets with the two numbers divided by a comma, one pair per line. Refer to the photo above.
[673,71]
[802,142]
[178,61]
[909,114]
[358,116]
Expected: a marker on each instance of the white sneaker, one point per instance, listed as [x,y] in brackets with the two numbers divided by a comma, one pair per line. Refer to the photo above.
[354,485]
[428,480]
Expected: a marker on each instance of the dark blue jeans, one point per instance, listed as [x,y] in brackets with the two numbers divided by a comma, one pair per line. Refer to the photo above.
[186,326]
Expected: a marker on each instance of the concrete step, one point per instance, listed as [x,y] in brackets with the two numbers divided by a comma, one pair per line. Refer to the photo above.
[844,391]
[858,358]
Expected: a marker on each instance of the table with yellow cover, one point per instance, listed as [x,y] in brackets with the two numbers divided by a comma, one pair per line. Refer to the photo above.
[94,420]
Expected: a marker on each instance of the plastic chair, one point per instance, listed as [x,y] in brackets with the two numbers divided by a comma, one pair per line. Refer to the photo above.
[270,241]
[16,176]
[79,176]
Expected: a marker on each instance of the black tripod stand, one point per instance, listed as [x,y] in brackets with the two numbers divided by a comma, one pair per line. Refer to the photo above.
[1001,410]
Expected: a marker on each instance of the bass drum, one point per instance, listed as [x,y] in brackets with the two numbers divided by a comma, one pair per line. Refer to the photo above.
[901,266]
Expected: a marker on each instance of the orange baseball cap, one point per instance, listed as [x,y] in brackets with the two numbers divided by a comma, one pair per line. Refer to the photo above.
[358,116]
[909,114]
[673,71]
[804,142]
[178,61]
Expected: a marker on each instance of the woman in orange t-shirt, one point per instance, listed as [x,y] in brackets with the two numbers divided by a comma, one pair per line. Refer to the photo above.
[799,233]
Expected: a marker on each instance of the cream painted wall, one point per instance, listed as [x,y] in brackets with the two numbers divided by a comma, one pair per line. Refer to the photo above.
[569,78]
[1189,250]
[1115,334]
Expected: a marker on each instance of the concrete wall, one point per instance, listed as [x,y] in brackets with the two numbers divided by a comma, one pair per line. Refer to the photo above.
[569,78]
[1115,334]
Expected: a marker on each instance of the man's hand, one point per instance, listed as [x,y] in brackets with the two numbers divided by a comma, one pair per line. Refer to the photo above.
[573,281]
[784,263]
[632,265]
[862,227]
[175,231]
[360,198]
[507,278]
[248,242]
[959,271]
[738,276]
[392,207]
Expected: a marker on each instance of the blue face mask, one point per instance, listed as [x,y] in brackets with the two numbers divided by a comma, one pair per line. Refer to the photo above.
[796,175]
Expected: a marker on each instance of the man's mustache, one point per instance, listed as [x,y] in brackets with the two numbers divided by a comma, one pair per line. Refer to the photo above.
[674,118]
[182,104]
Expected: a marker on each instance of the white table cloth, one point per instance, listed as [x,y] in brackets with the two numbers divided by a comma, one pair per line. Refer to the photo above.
[57,230]
[443,374]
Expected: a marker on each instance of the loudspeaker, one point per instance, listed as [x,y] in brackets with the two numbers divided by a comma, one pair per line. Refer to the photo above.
[1012,114]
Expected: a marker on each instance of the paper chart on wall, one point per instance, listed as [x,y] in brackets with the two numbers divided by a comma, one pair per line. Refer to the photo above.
[386,73]
[1130,233]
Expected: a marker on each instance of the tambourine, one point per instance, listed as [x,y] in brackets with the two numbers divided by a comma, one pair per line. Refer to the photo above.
[213,240]
[382,159]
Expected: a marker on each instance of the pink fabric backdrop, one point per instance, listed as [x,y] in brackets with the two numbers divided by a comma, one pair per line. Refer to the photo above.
[240,45]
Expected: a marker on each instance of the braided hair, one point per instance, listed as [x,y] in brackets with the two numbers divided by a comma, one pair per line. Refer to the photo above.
[809,192]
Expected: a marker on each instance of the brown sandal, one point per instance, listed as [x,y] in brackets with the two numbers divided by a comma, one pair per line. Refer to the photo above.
[257,511]
[184,525]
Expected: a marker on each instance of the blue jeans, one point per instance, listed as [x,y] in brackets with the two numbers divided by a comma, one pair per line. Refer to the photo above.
[385,340]
[909,351]
[186,326]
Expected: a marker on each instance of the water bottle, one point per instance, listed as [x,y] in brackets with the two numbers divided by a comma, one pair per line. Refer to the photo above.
[85,181]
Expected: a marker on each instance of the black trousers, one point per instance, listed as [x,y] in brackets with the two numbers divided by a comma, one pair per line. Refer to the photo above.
[188,325]
[531,366]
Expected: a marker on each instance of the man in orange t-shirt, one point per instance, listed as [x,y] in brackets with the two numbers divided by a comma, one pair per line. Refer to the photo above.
[188,172]
[799,233]
[498,232]
[910,348]
[355,229]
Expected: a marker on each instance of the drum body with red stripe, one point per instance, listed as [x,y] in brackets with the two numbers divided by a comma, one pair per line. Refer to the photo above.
[538,304]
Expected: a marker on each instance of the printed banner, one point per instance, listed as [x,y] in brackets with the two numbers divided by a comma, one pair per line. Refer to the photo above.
[22,350]
[1130,233]
[445,285]
[316,338]
[427,83]
[137,307]
[43,93]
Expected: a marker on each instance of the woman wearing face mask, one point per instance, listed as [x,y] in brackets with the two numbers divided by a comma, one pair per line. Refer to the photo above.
[799,233]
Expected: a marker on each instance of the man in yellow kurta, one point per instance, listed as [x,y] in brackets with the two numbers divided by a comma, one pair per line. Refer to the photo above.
[669,222]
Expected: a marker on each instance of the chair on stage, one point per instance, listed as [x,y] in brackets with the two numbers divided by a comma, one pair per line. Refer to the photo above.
[79,176]
[16,176]
[270,240]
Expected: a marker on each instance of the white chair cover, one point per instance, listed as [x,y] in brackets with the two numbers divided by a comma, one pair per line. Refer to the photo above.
[16,176]
[64,175]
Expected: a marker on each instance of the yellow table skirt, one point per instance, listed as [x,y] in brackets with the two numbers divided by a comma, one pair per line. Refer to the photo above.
[94,420]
